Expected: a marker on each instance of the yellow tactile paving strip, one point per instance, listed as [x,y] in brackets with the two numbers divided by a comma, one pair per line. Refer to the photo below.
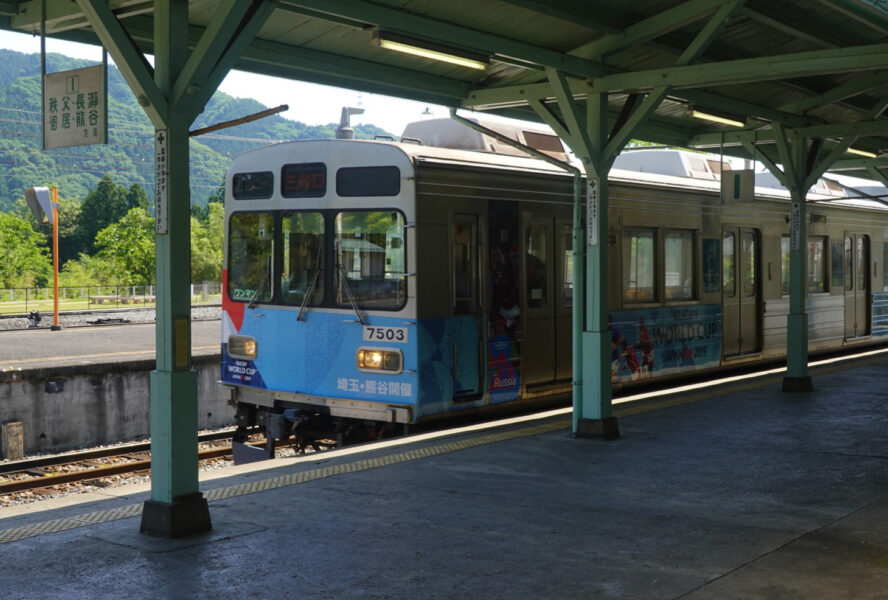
[134,510]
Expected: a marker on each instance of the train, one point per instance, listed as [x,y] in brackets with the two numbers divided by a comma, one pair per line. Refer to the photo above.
[375,283]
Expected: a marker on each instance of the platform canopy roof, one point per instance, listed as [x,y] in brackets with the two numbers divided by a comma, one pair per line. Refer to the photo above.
[819,67]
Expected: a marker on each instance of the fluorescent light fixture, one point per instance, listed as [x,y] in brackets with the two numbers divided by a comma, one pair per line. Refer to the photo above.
[707,114]
[861,152]
[425,49]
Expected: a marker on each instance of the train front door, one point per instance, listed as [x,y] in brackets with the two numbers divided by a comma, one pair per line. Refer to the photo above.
[857,286]
[741,291]
[547,279]
[466,277]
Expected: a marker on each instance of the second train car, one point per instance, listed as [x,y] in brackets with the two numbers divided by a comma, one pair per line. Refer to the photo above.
[369,283]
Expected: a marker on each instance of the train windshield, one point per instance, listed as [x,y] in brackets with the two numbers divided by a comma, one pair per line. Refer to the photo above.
[303,254]
[251,249]
[318,258]
[370,259]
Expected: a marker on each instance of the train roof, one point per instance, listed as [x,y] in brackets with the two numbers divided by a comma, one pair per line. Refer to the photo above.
[447,142]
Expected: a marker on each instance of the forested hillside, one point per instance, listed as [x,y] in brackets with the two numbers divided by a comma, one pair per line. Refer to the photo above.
[128,157]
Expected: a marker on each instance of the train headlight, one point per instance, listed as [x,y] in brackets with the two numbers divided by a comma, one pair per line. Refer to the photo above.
[242,347]
[373,359]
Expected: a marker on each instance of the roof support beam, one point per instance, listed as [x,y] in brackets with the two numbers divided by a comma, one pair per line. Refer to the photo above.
[573,13]
[128,58]
[861,85]
[871,16]
[302,63]
[651,28]
[843,145]
[65,16]
[709,32]
[801,64]
[434,30]
[223,41]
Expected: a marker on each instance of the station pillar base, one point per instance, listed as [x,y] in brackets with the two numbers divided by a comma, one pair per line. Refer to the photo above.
[798,384]
[187,515]
[606,428]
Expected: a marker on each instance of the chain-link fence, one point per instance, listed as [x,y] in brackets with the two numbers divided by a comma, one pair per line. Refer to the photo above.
[24,300]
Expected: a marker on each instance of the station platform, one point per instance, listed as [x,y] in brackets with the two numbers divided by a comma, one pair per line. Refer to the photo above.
[733,492]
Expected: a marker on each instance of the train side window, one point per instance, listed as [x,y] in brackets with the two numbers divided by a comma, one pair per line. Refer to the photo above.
[536,263]
[465,269]
[862,263]
[784,265]
[837,263]
[729,265]
[370,259]
[250,254]
[567,275]
[679,265]
[816,264]
[749,262]
[303,257]
[639,266]
[884,265]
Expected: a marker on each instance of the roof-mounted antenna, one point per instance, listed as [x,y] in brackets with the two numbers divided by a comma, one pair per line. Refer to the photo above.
[344,131]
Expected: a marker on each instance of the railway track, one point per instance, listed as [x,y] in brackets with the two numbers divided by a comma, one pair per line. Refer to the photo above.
[53,471]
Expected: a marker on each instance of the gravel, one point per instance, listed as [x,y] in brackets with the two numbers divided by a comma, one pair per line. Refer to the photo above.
[131,315]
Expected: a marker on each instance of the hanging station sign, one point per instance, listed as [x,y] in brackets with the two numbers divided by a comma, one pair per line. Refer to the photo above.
[74,108]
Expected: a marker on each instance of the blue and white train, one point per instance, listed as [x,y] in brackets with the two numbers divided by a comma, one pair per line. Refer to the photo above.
[371,283]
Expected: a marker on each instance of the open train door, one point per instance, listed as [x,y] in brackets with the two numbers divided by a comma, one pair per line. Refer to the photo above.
[741,291]
[857,286]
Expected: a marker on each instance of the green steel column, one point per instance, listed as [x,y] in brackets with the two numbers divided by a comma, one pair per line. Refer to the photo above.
[596,418]
[797,378]
[578,305]
[177,508]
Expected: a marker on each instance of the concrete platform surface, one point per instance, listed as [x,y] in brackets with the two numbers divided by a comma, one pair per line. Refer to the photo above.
[753,494]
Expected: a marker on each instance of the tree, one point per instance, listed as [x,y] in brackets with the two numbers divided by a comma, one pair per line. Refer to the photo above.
[103,206]
[202,213]
[70,243]
[129,247]
[206,244]
[136,197]
[25,263]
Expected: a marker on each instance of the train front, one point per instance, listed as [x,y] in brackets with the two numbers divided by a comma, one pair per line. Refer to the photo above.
[318,314]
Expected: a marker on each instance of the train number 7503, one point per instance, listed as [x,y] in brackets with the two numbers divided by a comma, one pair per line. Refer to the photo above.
[385,334]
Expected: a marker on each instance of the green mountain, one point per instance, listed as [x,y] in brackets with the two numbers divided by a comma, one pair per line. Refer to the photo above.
[129,156]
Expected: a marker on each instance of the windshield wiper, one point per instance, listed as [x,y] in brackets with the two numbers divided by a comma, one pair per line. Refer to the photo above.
[343,277]
[311,287]
[266,282]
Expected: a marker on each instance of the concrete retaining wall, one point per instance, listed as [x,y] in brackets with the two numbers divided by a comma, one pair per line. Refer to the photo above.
[74,407]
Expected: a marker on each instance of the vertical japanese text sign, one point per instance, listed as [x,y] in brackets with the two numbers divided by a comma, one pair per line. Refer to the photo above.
[74,110]
[161,194]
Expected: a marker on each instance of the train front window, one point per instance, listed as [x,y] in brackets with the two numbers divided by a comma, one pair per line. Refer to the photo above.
[370,259]
[303,258]
[250,253]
